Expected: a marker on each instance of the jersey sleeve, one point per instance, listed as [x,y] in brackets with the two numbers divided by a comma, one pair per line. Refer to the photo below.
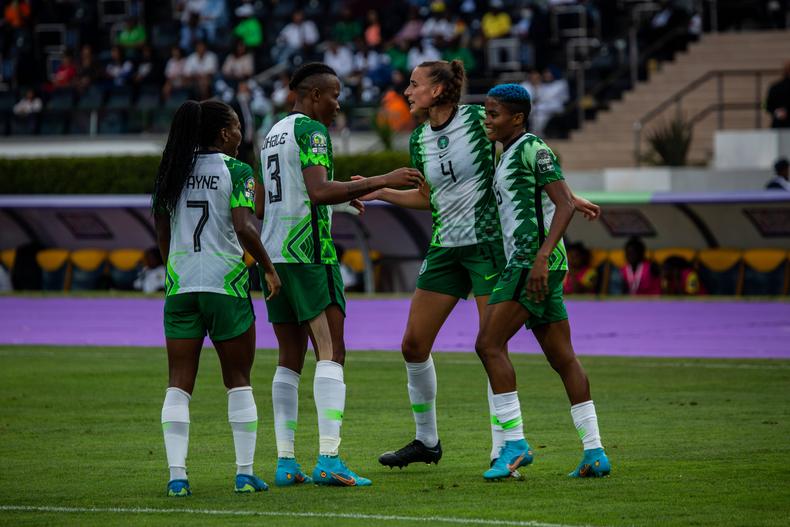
[544,164]
[242,179]
[313,141]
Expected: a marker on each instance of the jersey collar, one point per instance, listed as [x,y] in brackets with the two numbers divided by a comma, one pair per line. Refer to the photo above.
[446,123]
[514,141]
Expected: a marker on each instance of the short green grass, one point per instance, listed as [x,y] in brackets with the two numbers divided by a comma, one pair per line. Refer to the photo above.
[692,442]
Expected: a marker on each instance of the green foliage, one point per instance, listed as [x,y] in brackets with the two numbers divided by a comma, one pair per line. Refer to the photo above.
[670,143]
[135,175]
[692,442]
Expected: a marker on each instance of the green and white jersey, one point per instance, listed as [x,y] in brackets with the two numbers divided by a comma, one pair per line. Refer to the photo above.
[457,161]
[294,229]
[205,254]
[524,207]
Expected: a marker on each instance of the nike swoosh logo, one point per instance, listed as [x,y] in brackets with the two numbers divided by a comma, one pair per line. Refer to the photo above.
[513,466]
[497,289]
[490,276]
[442,156]
[344,480]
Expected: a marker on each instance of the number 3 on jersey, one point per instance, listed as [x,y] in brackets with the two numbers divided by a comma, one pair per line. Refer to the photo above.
[273,168]
[449,170]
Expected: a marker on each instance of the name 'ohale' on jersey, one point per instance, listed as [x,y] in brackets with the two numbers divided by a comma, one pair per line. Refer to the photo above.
[457,160]
[294,229]
[525,209]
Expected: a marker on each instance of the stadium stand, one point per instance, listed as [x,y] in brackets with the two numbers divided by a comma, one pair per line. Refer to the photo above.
[55,269]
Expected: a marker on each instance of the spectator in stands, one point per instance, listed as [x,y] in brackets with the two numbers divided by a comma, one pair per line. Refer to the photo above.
[412,29]
[394,111]
[781,180]
[238,65]
[297,37]
[90,71]
[582,277]
[454,50]
[132,36]
[152,276]
[398,53]
[373,30]
[17,14]
[175,72]
[192,33]
[496,23]
[678,277]
[214,15]
[203,17]
[522,30]
[64,76]
[554,95]
[640,275]
[422,52]
[28,109]
[144,67]
[438,27]
[120,69]
[200,68]
[347,28]
[282,96]
[249,28]
[778,102]
[339,57]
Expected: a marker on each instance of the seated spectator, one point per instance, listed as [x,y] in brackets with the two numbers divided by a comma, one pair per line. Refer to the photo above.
[640,275]
[454,50]
[152,276]
[778,101]
[399,56]
[296,37]
[282,96]
[238,65]
[554,94]
[90,71]
[192,33]
[29,106]
[64,76]
[200,68]
[678,277]
[132,36]
[422,52]
[581,277]
[144,67]
[345,30]
[249,29]
[438,27]
[339,58]
[373,30]
[119,70]
[203,16]
[175,72]
[780,181]
[412,29]
[496,23]
[394,111]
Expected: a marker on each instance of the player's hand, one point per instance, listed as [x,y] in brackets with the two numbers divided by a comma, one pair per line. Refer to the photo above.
[538,279]
[404,177]
[590,210]
[376,194]
[272,283]
[357,204]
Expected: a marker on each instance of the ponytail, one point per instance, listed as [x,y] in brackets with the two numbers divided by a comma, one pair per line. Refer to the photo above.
[451,75]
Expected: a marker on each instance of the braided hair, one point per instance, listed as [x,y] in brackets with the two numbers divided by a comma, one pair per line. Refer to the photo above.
[300,80]
[195,125]
[451,75]
[514,97]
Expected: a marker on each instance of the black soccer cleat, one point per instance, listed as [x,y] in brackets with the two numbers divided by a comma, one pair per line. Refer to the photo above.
[414,452]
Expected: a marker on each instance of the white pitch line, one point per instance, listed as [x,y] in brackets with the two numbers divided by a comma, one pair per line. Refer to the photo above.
[345,516]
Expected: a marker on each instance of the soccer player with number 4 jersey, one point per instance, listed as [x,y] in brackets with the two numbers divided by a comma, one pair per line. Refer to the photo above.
[535,207]
[298,189]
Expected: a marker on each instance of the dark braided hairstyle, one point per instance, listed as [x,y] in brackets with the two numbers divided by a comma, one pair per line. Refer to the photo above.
[306,71]
[195,125]
[451,75]
[514,97]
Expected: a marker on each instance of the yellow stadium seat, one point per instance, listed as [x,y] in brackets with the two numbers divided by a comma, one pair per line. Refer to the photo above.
[125,259]
[721,271]
[87,268]
[617,258]
[7,257]
[597,257]
[55,269]
[353,258]
[719,260]
[766,272]
[764,260]
[661,255]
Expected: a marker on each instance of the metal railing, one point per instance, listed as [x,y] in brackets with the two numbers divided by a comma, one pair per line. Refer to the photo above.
[720,106]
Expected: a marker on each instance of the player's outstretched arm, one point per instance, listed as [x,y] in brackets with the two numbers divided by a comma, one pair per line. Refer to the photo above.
[324,192]
[538,278]
[415,198]
[590,210]
[249,239]
[162,227]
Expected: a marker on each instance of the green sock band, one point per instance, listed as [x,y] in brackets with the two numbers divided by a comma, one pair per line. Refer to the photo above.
[421,408]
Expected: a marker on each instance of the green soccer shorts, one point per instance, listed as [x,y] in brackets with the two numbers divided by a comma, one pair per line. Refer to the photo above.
[308,289]
[512,286]
[192,315]
[456,271]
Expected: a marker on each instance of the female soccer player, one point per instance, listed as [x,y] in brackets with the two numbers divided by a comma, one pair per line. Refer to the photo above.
[535,207]
[466,254]
[203,204]
[298,174]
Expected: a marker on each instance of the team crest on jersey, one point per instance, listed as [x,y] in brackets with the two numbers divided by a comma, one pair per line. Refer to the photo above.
[249,189]
[443,142]
[543,160]
[318,143]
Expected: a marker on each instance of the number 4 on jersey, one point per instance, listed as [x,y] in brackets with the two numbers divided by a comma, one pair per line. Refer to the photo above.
[449,170]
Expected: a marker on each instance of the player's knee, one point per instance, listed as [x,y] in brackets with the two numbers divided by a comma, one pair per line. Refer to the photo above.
[485,347]
[236,380]
[413,350]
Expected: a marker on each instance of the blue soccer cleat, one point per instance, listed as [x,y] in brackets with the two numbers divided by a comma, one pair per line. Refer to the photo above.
[289,473]
[514,454]
[248,483]
[594,464]
[331,470]
[178,488]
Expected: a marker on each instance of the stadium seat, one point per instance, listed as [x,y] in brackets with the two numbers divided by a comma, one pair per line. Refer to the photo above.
[765,272]
[660,255]
[87,268]
[55,269]
[7,257]
[721,271]
[125,265]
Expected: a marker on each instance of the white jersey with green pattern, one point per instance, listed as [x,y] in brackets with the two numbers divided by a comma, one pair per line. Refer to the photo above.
[205,254]
[457,160]
[294,229]
[525,209]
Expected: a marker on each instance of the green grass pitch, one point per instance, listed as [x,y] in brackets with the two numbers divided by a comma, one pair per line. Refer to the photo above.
[692,442]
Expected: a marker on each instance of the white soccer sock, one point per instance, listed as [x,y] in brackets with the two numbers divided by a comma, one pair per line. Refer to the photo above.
[586,423]
[508,411]
[497,434]
[175,426]
[285,400]
[422,394]
[243,418]
[329,393]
